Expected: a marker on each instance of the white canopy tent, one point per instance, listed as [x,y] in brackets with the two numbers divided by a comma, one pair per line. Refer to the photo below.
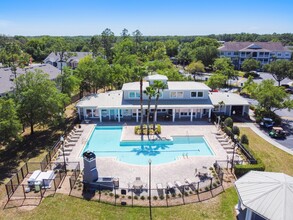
[268,194]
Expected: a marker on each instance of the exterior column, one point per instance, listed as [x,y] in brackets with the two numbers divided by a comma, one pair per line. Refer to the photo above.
[100,114]
[179,113]
[92,112]
[109,114]
[248,214]
[173,115]
[78,111]
[136,115]
[210,112]
[84,113]
[191,114]
[156,116]
[201,111]
[118,115]
[239,205]
[243,110]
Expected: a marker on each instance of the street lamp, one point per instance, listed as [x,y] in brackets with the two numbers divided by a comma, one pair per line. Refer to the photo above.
[150,194]
[62,146]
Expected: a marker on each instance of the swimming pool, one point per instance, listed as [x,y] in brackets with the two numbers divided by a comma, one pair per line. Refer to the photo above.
[105,142]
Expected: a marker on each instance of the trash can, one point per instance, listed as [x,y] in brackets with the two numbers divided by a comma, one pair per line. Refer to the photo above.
[38,186]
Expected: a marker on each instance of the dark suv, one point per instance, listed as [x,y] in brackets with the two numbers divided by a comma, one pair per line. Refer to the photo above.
[267,123]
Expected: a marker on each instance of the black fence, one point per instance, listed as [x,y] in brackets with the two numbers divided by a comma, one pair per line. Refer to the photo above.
[74,177]
[204,189]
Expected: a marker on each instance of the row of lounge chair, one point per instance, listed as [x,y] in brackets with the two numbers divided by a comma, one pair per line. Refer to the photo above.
[71,140]
[228,145]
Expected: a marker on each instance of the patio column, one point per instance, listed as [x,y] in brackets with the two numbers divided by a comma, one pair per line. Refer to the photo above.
[248,214]
[109,114]
[100,114]
[78,111]
[136,115]
[191,114]
[210,112]
[201,110]
[118,115]
[243,110]
[92,112]
[179,113]
[155,117]
[239,204]
[84,113]
[173,115]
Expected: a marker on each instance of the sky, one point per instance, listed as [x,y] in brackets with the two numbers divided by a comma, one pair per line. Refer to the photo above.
[151,17]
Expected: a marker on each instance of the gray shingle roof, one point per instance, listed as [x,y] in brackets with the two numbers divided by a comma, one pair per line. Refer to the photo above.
[76,56]
[243,46]
[6,85]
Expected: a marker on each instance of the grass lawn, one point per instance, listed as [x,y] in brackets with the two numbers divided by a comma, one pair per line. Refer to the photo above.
[274,159]
[65,207]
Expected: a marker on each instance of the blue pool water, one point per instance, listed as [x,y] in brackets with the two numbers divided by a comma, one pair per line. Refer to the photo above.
[105,142]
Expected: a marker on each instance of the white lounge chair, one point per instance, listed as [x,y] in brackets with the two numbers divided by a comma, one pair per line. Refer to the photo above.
[68,149]
[160,186]
[170,185]
[189,181]
[178,184]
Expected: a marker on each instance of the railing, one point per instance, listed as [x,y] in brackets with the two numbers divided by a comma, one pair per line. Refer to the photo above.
[74,177]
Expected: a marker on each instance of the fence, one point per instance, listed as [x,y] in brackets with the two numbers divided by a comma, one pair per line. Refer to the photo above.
[206,188]
[74,177]
[17,189]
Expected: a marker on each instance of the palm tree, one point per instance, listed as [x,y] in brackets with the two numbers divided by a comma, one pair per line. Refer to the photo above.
[150,92]
[141,72]
[158,86]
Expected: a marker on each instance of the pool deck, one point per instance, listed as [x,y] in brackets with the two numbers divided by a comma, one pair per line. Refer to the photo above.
[182,168]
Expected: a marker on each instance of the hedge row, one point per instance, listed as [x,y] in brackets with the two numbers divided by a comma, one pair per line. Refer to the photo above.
[242,169]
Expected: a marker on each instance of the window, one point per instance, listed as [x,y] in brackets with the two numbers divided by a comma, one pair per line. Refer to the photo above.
[193,94]
[236,53]
[176,94]
[229,53]
[173,95]
[132,95]
[137,95]
[279,54]
[200,94]
[179,94]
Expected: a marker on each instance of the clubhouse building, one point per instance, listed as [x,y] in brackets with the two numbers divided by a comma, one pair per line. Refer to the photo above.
[184,100]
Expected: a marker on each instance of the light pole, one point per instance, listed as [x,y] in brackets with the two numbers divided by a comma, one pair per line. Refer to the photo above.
[150,194]
[62,146]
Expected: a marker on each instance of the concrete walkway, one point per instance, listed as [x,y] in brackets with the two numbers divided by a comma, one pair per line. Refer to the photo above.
[265,137]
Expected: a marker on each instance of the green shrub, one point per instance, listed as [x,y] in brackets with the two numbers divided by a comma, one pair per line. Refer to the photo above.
[116,196]
[229,122]
[162,197]
[252,107]
[155,197]
[241,169]
[158,129]
[186,193]
[228,131]
[173,195]
[244,139]
[142,198]
[235,130]
[111,194]
[215,185]
[135,197]
[129,197]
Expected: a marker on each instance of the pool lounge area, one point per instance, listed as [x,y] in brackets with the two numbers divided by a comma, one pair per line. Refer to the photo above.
[183,167]
[105,141]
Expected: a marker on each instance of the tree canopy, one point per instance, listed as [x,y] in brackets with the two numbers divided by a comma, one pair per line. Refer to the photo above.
[280,69]
[38,99]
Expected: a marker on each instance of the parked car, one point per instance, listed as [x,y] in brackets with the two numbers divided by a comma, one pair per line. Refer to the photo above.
[267,123]
[277,132]
[287,88]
